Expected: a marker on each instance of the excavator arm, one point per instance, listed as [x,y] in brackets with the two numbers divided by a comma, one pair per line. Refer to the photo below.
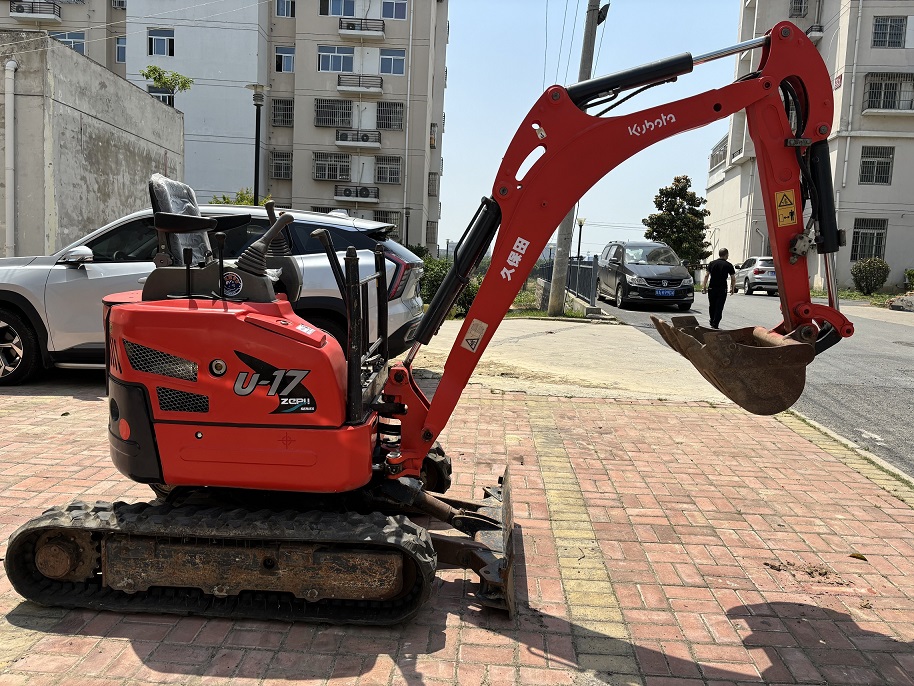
[560,151]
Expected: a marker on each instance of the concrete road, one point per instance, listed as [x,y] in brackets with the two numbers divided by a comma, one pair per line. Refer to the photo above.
[862,389]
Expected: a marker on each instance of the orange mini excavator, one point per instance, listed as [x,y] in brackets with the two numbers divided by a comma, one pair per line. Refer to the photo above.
[290,469]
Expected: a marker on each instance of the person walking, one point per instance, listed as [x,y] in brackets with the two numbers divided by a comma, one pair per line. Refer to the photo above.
[717,288]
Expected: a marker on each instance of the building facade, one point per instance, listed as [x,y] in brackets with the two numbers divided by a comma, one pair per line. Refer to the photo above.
[868,47]
[353,94]
[82,144]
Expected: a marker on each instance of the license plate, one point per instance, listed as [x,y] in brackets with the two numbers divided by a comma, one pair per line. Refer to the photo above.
[665,292]
[770,273]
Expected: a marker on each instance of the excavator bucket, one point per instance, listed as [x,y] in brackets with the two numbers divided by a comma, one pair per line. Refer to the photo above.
[760,371]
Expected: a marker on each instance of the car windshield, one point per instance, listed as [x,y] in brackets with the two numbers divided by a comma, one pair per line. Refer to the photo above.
[650,254]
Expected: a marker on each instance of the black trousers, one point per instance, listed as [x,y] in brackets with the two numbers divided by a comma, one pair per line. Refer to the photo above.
[716,299]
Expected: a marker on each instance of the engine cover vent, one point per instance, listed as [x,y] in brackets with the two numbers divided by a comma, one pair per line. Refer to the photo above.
[145,359]
[173,400]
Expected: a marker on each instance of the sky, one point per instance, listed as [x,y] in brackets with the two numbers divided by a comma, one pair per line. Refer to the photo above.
[501,58]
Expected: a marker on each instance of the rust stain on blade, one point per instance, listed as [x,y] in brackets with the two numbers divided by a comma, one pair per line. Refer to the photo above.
[760,371]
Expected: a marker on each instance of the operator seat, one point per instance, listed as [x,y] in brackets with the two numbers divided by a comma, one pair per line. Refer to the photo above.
[168,195]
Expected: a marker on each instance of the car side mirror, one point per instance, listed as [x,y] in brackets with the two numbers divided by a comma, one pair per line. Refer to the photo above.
[738,266]
[77,256]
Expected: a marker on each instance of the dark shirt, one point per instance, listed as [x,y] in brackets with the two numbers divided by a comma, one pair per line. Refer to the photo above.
[719,270]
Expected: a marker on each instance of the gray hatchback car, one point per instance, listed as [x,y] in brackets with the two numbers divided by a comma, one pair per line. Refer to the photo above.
[757,274]
[51,311]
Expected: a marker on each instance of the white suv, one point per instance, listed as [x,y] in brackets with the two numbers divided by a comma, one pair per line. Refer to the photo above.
[51,312]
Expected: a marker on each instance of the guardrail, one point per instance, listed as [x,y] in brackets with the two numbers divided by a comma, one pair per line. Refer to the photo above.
[35,8]
[355,24]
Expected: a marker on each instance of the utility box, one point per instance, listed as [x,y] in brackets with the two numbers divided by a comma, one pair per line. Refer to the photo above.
[85,142]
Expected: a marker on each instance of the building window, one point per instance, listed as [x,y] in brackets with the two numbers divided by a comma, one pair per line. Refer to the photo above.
[285,59]
[120,49]
[72,39]
[876,164]
[330,112]
[323,209]
[393,62]
[888,32]
[283,111]
[431,232]
[433,183]
[869,239]
[337,8]
[889,91]
[393,9]
[119,4]
[799,8]
[335,58]
[390,115]
[280,165]
[433,135]
[387,168]
[162,94]
[285,8]
[161,42]
[331,166]
[389,217]
[719,153]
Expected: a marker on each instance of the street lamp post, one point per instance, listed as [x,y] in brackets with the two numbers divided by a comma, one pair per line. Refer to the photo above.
[259,90]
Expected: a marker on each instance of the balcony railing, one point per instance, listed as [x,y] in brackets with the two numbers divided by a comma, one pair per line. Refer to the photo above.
[355,24]
[33,8]
[357,136]
[359,81]
[356,193]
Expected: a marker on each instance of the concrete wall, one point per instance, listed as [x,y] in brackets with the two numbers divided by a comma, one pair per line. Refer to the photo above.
[86,143]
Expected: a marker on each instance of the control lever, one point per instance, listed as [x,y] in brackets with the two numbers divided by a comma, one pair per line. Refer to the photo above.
[270,207]
[219,237]
[188,256]
[324,237]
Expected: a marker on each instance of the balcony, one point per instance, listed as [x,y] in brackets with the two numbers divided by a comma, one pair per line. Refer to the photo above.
[35,11]
[815,33]
[350,193]
[357,138]
[361,29]
[359,83]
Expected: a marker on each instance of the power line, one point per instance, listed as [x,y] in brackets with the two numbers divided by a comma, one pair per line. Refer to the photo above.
[574,27]
[546,48]
[558,61]
[599,47]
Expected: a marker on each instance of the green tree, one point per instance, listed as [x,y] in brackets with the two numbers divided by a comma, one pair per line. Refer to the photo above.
[170,81]
[680,221]
[245,196]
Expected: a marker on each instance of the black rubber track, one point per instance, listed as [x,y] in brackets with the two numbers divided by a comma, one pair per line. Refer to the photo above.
[162,520]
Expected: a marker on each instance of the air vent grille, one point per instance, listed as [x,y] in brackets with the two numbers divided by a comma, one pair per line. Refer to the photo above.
[145,359]
[173,400]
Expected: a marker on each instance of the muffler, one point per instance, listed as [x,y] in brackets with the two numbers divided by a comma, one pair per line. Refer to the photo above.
[762,372]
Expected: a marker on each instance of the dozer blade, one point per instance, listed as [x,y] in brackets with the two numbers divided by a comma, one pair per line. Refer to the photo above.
[761,372]
[490,553]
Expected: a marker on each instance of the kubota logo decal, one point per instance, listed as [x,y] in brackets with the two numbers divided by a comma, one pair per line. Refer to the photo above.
[648,126]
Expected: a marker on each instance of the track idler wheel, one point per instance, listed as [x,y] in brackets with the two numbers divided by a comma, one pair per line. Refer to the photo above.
[66,556]
[760,371]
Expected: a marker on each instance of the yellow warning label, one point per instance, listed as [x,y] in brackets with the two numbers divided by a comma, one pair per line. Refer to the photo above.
[786,206]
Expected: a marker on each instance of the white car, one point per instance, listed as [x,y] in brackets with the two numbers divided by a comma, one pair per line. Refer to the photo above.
[51,312]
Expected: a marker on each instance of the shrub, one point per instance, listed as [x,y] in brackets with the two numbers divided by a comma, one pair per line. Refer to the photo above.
[870,275]
[909,277]
[435,271]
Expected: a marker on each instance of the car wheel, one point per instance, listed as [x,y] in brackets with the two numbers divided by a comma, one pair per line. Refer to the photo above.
[19,350]
[620,297]
[747,287]
[330,327]
[599,289]
[685,307]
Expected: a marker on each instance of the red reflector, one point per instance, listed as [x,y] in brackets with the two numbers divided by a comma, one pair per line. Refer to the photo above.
[123,428]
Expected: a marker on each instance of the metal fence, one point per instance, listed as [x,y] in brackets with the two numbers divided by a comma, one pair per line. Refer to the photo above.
[581,279]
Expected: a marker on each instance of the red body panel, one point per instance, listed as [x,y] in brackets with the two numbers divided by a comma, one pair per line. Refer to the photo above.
[242,394]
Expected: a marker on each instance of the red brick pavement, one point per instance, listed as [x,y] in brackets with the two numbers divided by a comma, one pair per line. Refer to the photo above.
[664,544]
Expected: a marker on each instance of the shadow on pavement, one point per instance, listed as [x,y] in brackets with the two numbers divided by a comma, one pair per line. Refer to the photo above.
[81,384]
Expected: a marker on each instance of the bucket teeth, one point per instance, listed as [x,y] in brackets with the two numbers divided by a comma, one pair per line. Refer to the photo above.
[761,372]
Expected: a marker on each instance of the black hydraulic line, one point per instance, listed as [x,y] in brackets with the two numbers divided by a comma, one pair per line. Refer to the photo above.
[828,240]
[467,255]
[354,410]
[584,93]
[380,265]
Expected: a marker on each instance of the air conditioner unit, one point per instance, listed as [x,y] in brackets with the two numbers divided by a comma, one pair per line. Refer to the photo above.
[20,9]
[350,26]
[364,192]
[347,192]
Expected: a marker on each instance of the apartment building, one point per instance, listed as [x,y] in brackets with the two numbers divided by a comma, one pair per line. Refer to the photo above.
[351,94]
[868,46]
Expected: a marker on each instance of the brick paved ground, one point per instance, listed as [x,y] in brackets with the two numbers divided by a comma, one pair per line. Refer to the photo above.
[664,544]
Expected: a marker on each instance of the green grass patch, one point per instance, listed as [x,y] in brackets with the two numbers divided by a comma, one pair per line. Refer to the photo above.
[876,299]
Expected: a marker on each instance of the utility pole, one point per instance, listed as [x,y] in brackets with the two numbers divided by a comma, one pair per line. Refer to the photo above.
[566,228]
